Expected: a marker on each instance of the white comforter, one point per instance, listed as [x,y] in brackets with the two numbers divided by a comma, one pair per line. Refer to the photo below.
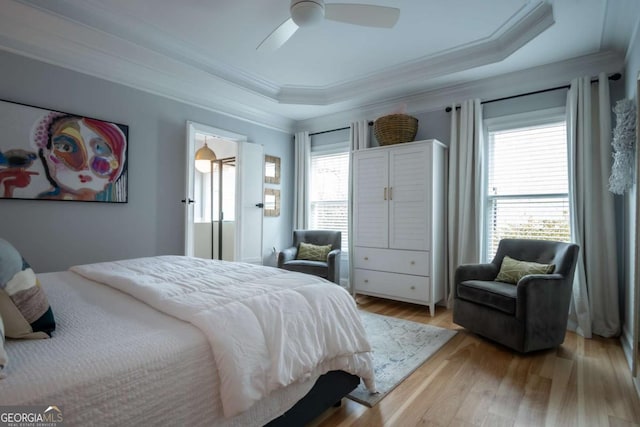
[267,327]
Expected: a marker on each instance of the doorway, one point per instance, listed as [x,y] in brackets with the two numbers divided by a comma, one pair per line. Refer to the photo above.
[233,192]
[214,197]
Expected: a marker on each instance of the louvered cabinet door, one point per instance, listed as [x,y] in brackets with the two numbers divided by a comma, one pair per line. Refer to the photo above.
[370,208]
[410,197]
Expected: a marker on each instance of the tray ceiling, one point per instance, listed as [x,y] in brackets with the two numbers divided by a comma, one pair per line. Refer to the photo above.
[204,52]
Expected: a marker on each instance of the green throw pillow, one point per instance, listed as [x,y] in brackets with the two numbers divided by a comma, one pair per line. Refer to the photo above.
[512,270]
[313,252]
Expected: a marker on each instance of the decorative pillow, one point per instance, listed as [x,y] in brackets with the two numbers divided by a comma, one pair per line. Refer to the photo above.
[512,270]
[3,353]
[23,304]
[313,252]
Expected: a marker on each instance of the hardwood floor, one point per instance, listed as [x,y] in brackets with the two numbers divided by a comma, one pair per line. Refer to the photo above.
[474,382]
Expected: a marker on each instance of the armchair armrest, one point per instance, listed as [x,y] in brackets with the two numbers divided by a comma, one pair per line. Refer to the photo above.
[544,297]
[333,257]
[333,265]
[287,254]
[476,272]
[473,272]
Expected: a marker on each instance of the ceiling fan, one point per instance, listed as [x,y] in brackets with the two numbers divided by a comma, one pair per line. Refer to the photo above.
[309,12]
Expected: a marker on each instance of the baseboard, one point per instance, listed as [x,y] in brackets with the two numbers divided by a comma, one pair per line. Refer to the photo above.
[626,340]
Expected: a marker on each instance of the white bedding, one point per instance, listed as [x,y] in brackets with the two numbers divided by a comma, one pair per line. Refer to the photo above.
[267,327]
[115,361]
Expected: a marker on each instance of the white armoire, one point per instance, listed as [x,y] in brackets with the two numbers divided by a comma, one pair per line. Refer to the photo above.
[398,222]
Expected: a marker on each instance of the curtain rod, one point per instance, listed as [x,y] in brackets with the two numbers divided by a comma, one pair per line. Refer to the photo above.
[334,130]
[615,76]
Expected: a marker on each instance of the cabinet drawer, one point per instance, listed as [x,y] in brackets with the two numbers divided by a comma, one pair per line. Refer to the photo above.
[392,285]
[393,260]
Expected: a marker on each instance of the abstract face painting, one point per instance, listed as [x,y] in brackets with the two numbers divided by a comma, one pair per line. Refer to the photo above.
[65,157]
[82,156]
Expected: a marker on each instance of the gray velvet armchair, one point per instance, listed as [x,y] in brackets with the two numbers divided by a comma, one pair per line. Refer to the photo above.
[329,269]
[530,315]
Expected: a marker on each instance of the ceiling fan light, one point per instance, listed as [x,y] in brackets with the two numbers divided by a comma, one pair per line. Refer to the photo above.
[307,12]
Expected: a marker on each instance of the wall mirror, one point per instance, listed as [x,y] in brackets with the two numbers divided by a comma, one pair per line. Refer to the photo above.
[271,202]
[272,170]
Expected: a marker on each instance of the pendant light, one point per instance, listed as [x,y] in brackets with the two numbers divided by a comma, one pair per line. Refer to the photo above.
[204,158]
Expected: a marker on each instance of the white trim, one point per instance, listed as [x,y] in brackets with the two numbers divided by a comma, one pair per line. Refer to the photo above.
[529,21]
[530,118]
[155,68]
[545,116]
[625,341]
[329,149]
[635,270]
[217,132]
[191,129]
[504,85]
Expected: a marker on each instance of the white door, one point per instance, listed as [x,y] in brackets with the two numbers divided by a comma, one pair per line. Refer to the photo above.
[188,201]
[249,202]
[249,182]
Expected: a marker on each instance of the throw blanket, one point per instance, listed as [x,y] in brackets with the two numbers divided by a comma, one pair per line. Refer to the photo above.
[267,327]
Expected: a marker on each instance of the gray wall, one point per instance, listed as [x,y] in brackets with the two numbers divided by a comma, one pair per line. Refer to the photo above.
[277,231]
[54,235]
[436,124]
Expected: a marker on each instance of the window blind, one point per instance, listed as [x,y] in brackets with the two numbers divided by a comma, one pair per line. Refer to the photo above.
[527,184]
[329,189]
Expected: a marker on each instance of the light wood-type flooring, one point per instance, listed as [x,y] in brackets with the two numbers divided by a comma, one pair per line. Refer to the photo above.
[474,382]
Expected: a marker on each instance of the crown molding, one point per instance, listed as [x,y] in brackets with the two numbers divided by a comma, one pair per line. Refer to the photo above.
[51,39]
[621,21]
[529,21]
[129,28]
[508,84]
[519,30]
[151,65]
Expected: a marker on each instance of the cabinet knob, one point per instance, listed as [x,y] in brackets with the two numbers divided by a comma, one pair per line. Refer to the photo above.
[413,263]
[366,280]
[413,288]
[366,258]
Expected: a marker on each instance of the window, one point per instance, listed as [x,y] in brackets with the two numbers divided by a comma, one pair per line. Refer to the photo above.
[202,187]
[329,190]
[527,193]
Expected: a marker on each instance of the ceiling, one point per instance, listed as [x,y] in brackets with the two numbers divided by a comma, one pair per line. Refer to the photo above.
[204,52]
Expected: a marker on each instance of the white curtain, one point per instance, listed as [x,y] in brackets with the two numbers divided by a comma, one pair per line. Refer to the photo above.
[359,135]
[594,306]
[359,139]
[302,154]
[464,194]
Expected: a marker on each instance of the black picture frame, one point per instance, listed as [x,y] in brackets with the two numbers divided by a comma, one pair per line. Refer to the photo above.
[53,155]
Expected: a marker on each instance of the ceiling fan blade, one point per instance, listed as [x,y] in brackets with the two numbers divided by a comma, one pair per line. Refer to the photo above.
[362,14]
[279,36]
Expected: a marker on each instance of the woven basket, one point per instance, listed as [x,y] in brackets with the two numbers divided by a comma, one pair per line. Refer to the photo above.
[395,128]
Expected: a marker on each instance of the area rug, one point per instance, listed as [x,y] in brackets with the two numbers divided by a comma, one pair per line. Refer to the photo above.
[399,348]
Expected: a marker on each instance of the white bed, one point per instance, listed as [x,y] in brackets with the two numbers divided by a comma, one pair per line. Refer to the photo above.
[114,360]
